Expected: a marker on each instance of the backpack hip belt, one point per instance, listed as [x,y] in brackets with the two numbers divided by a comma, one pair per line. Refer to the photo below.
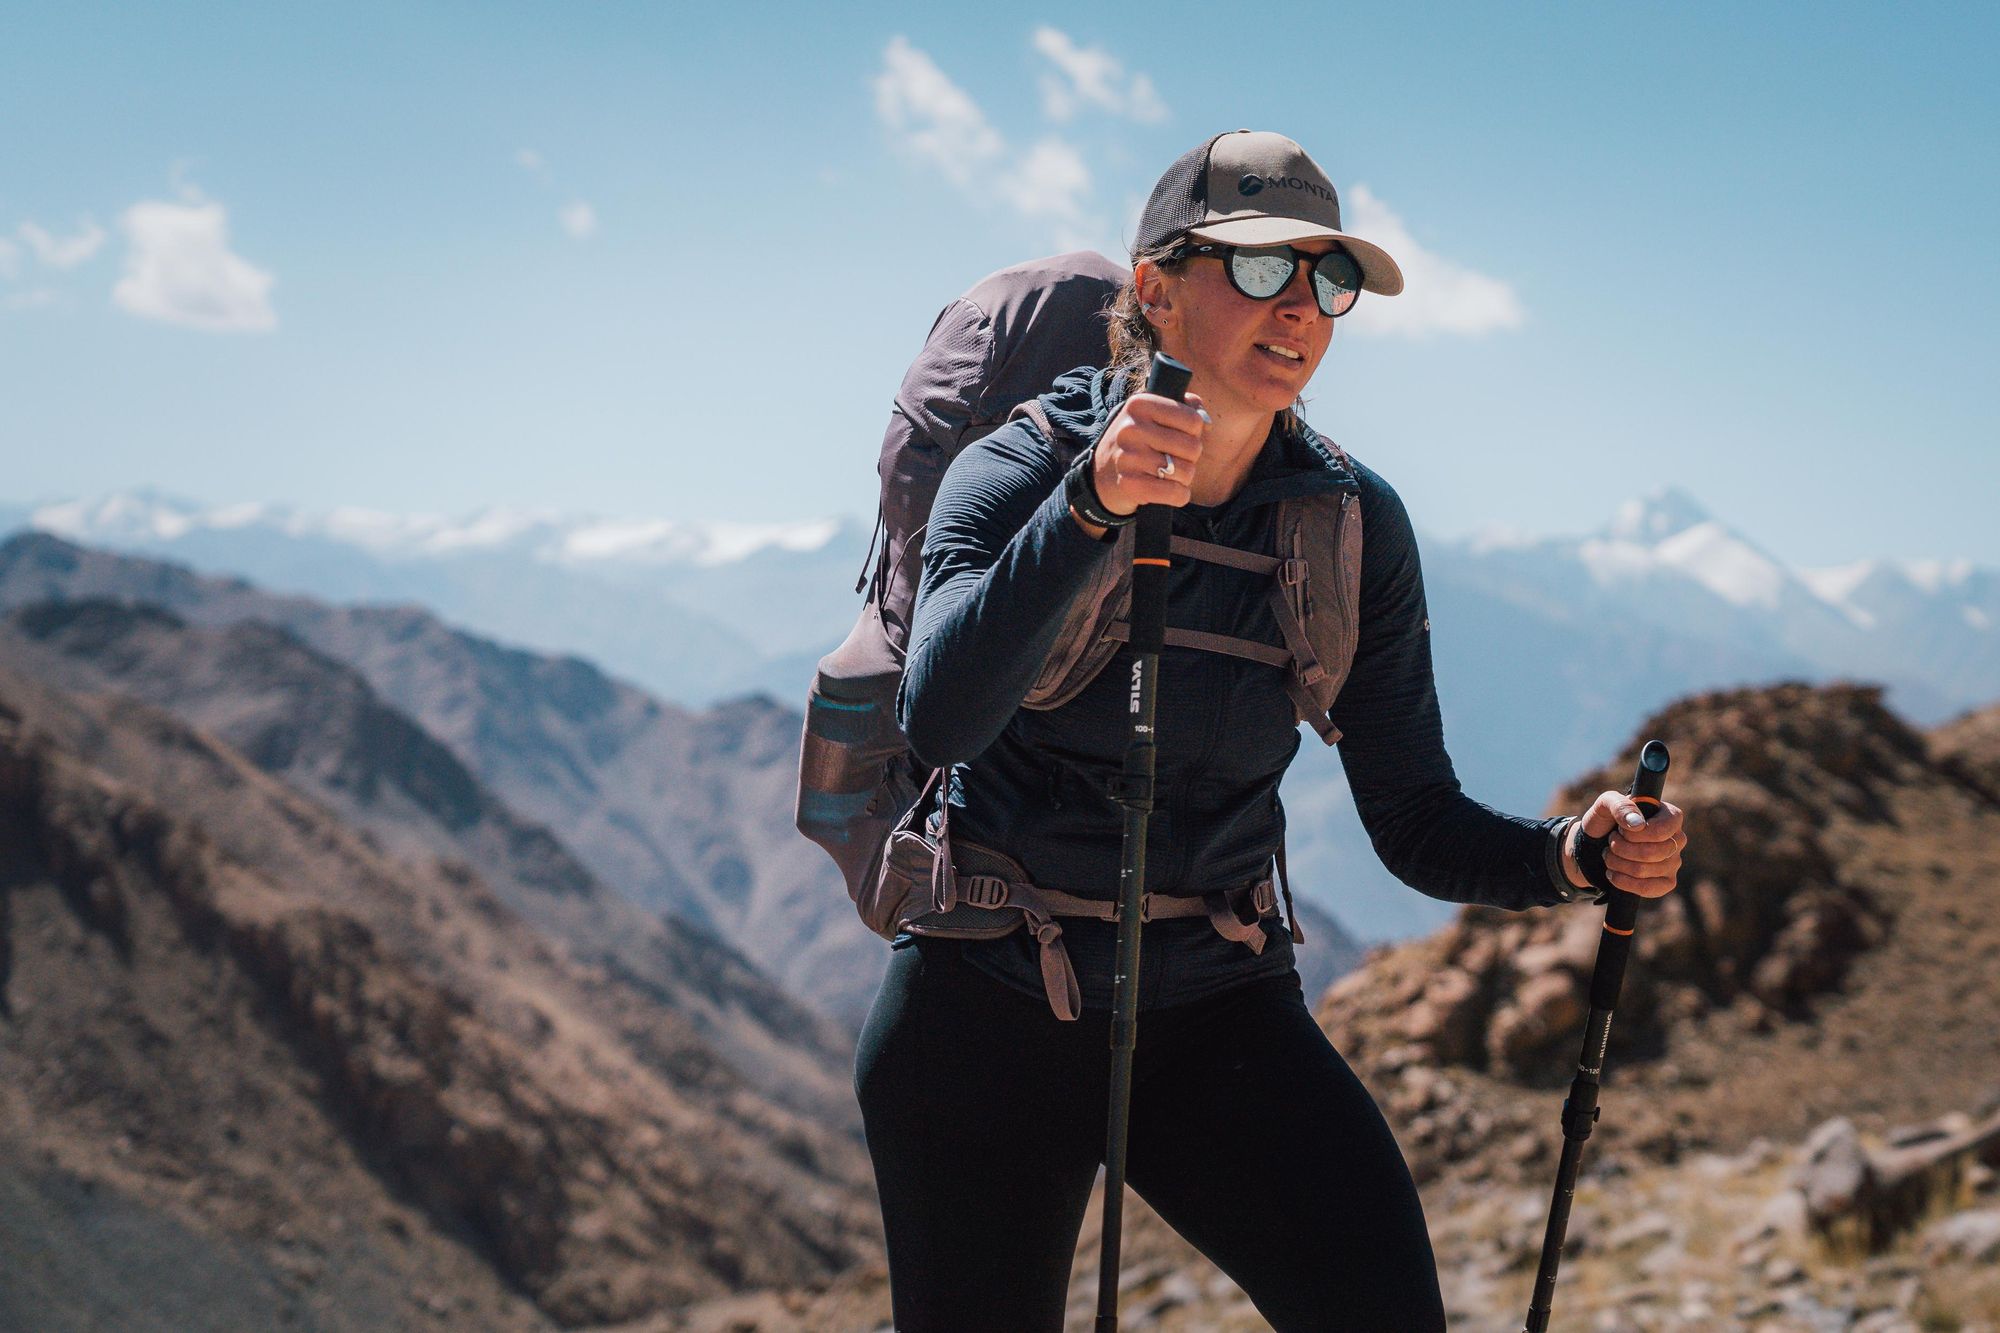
[948,888]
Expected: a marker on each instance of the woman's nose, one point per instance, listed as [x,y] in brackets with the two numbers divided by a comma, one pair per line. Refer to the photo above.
[1296,301]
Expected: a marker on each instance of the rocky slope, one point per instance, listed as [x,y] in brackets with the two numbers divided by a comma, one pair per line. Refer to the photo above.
[1824,956]
[260,1073]
[684,812]
[317,725]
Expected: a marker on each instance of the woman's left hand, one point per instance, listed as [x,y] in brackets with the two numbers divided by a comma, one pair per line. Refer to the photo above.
[1644,858]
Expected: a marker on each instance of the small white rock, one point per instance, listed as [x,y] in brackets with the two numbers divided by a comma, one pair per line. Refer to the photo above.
[1973,1234]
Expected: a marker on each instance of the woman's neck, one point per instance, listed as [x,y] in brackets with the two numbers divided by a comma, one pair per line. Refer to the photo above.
[1229,449]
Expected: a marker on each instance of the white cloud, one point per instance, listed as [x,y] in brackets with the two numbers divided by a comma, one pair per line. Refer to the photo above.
[10,258]
[579,220]
[63,251]
[1050,180]
[1093,76]
[39,298]
[932,117]
[1439,296]
[937,122]
[180,270]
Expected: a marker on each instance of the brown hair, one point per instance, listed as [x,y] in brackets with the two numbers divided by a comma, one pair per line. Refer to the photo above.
[1133,337]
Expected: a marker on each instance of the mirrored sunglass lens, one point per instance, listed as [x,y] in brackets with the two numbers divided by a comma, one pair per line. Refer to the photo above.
[1336,282]
[1262,273]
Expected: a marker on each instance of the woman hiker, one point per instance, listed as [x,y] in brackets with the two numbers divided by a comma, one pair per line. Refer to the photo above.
[983,1093]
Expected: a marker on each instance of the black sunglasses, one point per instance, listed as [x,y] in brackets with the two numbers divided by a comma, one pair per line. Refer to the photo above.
[1261,272]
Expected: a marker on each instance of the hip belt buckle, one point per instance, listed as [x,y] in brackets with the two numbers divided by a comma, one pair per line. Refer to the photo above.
[988,891]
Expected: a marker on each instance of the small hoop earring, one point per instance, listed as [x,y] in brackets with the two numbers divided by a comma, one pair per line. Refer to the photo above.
[1149,309]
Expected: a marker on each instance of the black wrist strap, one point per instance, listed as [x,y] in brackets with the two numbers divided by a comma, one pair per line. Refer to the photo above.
[1080,489]
[1590,859]
[1558,876]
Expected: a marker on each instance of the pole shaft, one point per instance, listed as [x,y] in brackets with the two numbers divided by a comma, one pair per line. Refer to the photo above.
[1140,757]
[1579,1113]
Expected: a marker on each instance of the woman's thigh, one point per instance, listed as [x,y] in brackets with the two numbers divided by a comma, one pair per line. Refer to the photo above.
[1254,1140]
[985,1121]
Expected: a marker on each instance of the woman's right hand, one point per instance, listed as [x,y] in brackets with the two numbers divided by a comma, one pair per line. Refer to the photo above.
[1149,433]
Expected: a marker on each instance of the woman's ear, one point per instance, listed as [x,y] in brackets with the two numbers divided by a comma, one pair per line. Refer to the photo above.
[1152,287]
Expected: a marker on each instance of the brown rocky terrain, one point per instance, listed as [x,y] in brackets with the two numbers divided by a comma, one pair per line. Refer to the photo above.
[685,812]
[317,725]
[1825,955]
[254,1072]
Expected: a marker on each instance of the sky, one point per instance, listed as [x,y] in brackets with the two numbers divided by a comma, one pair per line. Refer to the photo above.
[671,261]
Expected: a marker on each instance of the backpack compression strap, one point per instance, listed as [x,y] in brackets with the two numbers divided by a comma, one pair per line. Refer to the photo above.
[1288,597]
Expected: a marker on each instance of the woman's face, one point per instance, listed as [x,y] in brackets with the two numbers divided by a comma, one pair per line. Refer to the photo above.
[1247,355]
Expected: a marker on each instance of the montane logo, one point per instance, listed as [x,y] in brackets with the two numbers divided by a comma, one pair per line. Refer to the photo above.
[1255,184]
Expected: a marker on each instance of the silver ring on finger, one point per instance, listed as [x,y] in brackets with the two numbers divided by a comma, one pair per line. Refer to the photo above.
[1165,469]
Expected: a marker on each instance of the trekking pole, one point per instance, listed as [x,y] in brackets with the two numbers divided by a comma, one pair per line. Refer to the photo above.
[1154,537]
[1579,1113]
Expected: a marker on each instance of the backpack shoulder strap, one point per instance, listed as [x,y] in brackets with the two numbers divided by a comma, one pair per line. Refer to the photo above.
[1035,412]
[1316,598]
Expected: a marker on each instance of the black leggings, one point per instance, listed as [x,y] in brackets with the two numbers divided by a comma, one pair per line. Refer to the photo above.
[1249,1135]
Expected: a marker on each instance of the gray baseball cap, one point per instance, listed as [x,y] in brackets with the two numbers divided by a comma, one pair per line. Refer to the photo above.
[1252,187]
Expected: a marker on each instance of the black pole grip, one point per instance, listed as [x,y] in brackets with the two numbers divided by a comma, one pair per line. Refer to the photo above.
[1154,538]
[1621,913]
[1167,377]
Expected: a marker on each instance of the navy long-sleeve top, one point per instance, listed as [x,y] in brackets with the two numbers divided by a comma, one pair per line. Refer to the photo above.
[1003,559]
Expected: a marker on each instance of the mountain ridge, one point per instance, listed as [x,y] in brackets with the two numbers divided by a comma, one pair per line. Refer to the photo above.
[767,598]
[317,725]
[365,1077]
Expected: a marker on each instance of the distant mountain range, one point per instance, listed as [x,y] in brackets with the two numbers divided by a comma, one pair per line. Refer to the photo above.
[315,723]
[696,611]
[1545,649]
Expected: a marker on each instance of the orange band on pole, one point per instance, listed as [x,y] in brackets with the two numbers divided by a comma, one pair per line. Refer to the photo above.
[1148,560]
[1647,800]
[1614,930]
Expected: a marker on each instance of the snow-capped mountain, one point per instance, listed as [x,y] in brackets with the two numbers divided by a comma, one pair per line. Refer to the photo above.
[1924,628]
[139,517]
[699,610]
[693,611]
